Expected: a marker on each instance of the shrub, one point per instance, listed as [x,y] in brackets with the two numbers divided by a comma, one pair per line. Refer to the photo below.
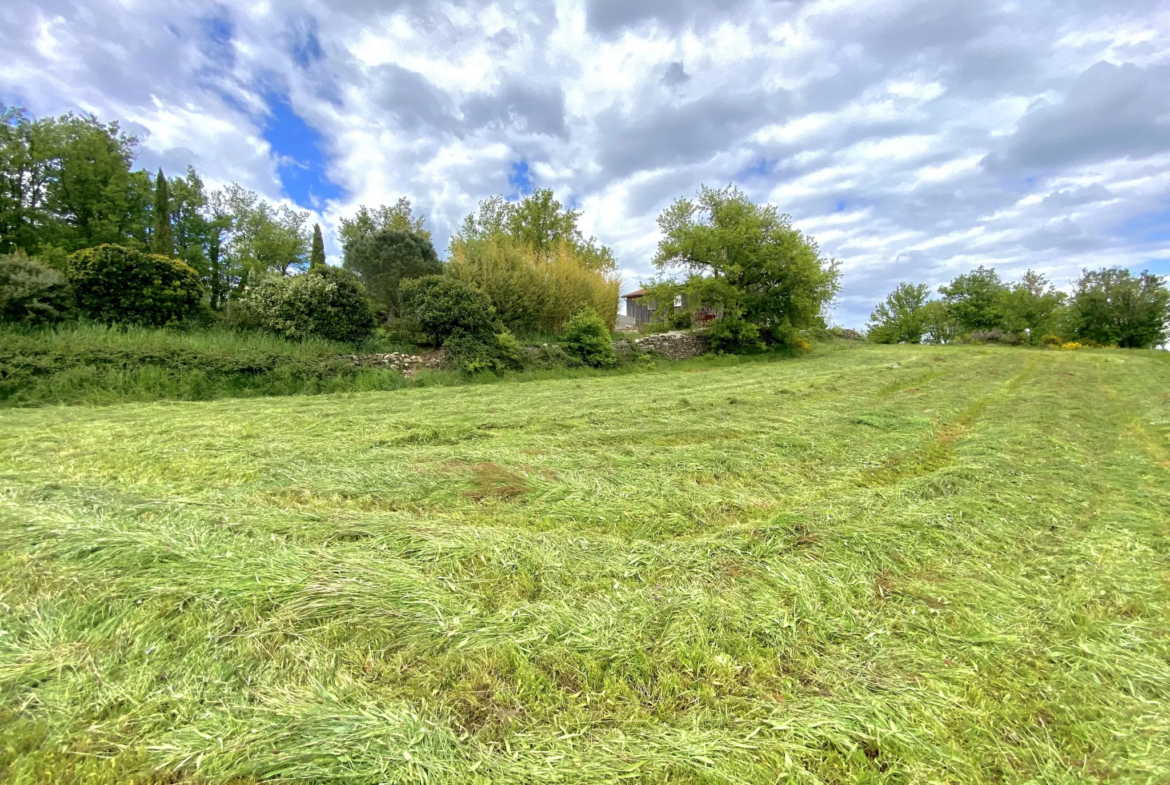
[587,339]
[443,306]
[477,353]
[845,334]
[1052,341]
[326,302]
[116,284]
[32,292]
[730,335]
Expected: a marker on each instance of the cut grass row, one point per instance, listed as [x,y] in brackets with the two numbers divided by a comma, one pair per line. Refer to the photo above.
[893,564]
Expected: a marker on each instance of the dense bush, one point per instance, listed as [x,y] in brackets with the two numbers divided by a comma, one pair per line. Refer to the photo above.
[532,289]
[325,302]
[443,306]
[31,292]
[478,353]
[116,284]
[587,338]
[731,335]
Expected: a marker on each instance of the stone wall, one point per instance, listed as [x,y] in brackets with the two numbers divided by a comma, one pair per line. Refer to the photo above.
[673,345]
[406,364]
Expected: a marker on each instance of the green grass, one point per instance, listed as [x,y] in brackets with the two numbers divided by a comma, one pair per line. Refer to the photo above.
[96,364]
[881,565]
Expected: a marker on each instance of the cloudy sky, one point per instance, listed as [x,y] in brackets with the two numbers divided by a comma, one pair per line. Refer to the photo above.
[914,139]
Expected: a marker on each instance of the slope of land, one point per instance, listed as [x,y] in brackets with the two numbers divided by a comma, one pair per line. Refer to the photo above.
[887,564]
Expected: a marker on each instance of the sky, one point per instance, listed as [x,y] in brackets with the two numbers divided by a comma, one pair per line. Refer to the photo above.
[912,139]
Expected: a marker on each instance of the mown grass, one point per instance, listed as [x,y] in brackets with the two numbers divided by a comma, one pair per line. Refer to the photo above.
[885,565]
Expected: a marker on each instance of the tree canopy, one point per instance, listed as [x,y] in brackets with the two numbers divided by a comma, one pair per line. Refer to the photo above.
[745,259]
[902,317]
[387,257]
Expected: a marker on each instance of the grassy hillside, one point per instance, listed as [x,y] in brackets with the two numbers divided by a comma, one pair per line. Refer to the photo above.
[883,565]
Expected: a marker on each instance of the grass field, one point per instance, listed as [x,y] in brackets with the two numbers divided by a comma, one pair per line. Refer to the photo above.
[875,565]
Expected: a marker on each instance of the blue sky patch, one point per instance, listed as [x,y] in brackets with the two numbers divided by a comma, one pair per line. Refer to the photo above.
[520,178]
[217,33]
[1155,266]
[306,48]
[299,149]
[1148,227]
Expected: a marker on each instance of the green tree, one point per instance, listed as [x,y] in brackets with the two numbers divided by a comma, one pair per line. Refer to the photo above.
[95,196]
[974,300]
[399,217]
[66,182]
[219,225]
[538,221]
[27,171]
[902,317]
[746,259]
[262,238]
[938,322]
[317,255]
[1114,306]
[386,258]
[1032,306]
[162,238]
[190,223]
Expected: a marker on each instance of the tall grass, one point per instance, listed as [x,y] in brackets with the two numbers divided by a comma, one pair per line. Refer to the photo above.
[534,291]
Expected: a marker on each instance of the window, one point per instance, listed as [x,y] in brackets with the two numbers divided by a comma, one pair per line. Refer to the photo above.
[678,301]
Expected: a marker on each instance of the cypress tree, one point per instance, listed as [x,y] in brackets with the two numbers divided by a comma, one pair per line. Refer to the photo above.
[317,256]
[162,241]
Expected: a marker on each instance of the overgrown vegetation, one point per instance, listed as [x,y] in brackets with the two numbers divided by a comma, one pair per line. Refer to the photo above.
[892,564]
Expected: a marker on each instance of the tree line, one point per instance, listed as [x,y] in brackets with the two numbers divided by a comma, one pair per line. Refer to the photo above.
[1107,307]
[68,184]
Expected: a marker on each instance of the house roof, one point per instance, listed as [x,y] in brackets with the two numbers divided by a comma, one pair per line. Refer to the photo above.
[638,293]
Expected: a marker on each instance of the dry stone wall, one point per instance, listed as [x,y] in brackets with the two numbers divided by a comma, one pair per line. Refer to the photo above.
[406,364]
[674,345]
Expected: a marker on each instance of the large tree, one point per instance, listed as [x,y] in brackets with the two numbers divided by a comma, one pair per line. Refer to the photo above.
[263,238]
[974,299]
[66,183]
[1031,306]
[745,259]
[387,257]
[1114,306]
[162,239]
[538,221]
[190,223]
[902,317]
[399,217]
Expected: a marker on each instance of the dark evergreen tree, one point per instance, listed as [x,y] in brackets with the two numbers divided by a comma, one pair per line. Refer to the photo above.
[162,240]
[317,255]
